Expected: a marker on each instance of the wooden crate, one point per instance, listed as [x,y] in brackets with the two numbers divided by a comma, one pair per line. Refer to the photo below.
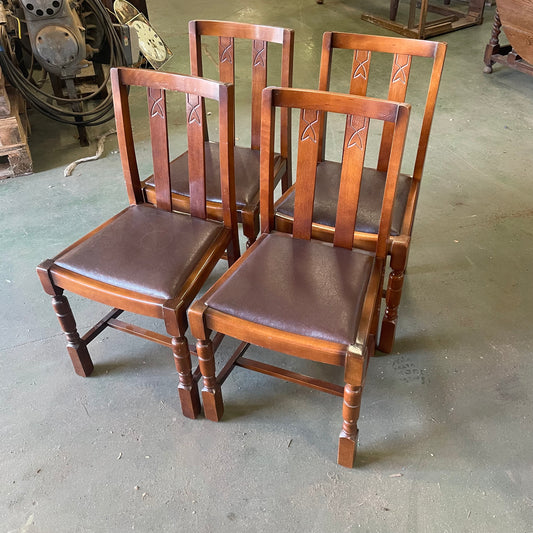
[15,157]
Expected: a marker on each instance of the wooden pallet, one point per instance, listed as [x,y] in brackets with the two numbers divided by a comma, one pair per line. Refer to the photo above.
[15,157]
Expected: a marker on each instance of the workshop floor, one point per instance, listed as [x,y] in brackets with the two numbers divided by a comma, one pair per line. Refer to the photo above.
[446,423]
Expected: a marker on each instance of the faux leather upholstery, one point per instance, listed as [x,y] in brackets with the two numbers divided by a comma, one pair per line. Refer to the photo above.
[246,174]
[305,287]
[372,188]
[146,250]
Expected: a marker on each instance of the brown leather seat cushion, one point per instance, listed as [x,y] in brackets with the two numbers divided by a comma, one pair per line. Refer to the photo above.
[305,287]
[145,250]
[372,187]
[246,174]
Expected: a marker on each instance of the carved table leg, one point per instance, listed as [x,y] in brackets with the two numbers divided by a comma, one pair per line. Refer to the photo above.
[211,394]
[187,388]
[393,9]
[494,43]
[350,414]
[76,347]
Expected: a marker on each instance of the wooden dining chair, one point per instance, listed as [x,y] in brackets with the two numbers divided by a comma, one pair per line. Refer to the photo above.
[148,259]
[298,295]
[402,51]
[246,157]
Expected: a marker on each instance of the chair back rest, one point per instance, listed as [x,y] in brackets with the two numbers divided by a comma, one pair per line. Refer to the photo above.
[260,36]
[403,50]
[359,112]
[195,90]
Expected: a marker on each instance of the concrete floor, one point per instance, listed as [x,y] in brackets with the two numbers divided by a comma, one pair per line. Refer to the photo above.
[445,430]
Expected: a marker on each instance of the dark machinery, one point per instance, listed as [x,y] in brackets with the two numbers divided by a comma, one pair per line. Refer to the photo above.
[69,42]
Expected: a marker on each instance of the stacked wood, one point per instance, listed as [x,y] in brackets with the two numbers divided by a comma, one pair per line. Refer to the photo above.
[15,157]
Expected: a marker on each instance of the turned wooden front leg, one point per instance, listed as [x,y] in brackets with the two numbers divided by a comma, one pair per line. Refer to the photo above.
[76,347]
[187,387]
[388,324]
[211,394]
[350,414]
[398,263]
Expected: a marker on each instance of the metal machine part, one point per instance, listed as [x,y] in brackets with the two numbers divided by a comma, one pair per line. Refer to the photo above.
[62,37]
[57,36]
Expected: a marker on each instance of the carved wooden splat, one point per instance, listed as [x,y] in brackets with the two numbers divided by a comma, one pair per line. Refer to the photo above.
[226,56]
[358,125]
[309,131]
[401,67]
[360,69]
[193,107]
[156,99]
[259,48]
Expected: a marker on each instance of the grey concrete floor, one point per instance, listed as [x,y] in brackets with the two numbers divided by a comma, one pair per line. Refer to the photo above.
[445,430]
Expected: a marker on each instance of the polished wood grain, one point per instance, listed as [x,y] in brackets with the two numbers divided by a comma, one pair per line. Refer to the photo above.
[260,38]
[253,315]
[518,54]
[134,284]
[517,22]
[402,52]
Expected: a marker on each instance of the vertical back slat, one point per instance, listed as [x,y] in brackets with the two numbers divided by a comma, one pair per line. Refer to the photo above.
[157,109]
[431,100]
[226,122]
[323,85]
[195,50]
[259,81]
[226,59]
[308,149]
[355,138]
[287,53]
[266,203]
[358,79]
[195,53]
[125,139]
[397,90]
[393,170]
[360,72]
[196,156]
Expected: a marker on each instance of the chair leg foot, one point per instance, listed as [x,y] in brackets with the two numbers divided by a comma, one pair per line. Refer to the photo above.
[213,404]
[81,360]
[347,449]
[187,387]
[76,347]
[350,414]
[190,401]
[211,394]
[386,336]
